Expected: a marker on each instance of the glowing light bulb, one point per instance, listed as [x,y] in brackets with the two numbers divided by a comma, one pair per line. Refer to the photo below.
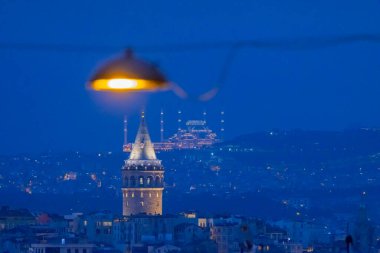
[122,83]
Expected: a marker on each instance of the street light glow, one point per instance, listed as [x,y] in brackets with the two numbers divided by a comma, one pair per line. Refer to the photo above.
[123,85]
[127,73]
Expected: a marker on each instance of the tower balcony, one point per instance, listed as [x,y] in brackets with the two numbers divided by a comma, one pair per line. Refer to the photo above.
[143,182]
[143,165]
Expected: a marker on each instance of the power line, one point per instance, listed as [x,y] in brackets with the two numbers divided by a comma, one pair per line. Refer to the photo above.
[303,43]
[59,47]
[288,44]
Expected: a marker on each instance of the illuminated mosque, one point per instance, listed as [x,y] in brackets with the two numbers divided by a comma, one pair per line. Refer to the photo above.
[195,135]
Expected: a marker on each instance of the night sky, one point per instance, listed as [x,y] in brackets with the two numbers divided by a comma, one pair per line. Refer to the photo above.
[44,105]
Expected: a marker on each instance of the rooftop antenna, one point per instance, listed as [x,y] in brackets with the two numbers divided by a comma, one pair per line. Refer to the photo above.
[222,125]
[125,130]
[162,126]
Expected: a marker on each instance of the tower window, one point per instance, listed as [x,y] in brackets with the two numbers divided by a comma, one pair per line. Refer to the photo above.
[133,181]
[133,194]
[126,181]
[141,180]
[142,203]
[158,181]
[141,194]
[150,195]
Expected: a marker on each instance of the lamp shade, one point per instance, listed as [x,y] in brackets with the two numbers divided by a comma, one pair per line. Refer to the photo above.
[127,73]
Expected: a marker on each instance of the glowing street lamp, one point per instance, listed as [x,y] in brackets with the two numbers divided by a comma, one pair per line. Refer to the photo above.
[127,73]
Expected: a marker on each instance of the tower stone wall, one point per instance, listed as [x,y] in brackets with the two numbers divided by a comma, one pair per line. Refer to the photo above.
[142,177]
[142,189]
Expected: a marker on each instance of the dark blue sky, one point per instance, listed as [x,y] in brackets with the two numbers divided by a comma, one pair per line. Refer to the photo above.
[44,105]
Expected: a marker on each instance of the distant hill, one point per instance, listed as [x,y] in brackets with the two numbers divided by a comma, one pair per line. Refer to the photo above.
[310,146]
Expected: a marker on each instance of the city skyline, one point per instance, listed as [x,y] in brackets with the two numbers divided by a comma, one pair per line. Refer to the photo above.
[263,117]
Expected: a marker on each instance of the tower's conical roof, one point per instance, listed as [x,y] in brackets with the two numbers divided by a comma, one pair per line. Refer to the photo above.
[142,148]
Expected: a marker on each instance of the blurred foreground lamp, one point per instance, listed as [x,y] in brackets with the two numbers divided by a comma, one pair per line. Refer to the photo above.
[127,73]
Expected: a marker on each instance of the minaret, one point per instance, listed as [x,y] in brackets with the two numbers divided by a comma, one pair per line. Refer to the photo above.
[125,130]
[179,120]
[222,125]
[204,116]
[143,177]
[162,126]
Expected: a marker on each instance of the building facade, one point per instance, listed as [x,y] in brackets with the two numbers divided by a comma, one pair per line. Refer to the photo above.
[143,177]
[62,248]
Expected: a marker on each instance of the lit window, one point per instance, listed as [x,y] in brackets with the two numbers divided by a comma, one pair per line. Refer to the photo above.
[133,194]
[107,223]
[142,203]
[141,194]
[141,180]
